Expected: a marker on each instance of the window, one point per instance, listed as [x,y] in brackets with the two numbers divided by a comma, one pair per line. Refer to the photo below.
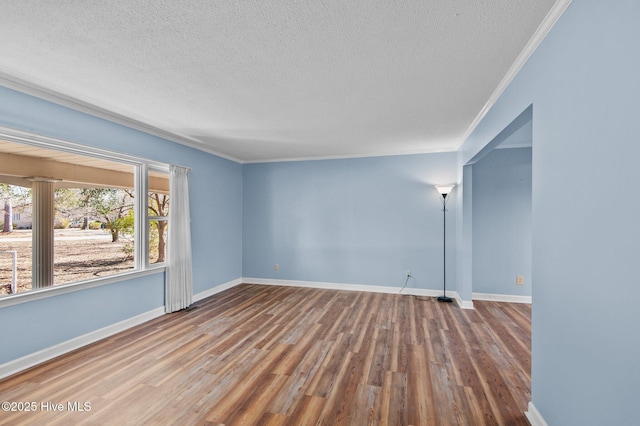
[158,215]
[73,214]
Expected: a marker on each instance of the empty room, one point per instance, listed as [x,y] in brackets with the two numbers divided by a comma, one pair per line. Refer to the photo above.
[288,213]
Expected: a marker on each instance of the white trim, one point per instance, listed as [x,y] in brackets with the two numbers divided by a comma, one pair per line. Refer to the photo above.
[360,287]
[141,221]
[464,304]
[92,108]
[57,290]
[105,113]
[330,286]
[30,360]
[501,298]
[516,145]
[141,266]
[27,361]
[217,289]
[33,139]
[534,416]
[543,29]
[354,156]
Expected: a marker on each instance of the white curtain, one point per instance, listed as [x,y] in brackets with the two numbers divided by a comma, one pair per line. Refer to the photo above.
[179,285]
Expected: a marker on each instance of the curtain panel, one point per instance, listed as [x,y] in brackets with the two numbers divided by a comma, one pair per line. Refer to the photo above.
[179,278]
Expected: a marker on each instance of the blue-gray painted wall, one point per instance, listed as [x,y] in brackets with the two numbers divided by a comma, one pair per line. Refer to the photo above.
[583,83]
[502,222]
[355,221]
[216,226]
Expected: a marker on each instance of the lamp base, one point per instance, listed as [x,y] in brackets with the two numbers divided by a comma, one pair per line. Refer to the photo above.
[445,299]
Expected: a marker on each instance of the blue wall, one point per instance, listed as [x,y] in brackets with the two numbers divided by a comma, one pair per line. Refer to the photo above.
[583,84]
[368,220]
[216,217]
[354,221]
[502,222]
[43,323]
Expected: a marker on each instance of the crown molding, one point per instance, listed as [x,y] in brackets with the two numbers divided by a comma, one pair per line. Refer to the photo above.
[106,113]
[543,29]
[352,157]
[51,95]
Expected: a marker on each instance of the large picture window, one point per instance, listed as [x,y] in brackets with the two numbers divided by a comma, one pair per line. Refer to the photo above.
[72,214]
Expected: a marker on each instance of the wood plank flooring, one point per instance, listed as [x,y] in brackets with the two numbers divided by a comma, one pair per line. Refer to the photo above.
[295,356]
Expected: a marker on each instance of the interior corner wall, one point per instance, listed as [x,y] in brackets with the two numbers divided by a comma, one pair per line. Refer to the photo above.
[216,218]
[502,222]
[353,221]
[464,232]
[583,84]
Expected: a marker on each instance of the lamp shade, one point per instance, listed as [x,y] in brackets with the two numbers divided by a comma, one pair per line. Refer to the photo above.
[444,189]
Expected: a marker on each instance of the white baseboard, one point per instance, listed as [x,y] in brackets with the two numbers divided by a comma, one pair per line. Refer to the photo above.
[325,285]
[27,361]
[501,298]
[217,289]
[464,304]
[534,416]
[360,287]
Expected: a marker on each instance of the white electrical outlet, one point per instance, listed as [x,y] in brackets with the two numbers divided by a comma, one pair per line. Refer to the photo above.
[408,273]
[276,267]
[519,280]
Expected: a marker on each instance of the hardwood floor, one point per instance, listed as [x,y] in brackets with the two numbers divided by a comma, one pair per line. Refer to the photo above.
[296,356]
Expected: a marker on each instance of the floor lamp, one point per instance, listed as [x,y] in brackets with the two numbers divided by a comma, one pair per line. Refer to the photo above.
[444,191]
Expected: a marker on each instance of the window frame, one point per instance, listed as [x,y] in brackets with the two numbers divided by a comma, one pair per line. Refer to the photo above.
[151,168]
[141,167]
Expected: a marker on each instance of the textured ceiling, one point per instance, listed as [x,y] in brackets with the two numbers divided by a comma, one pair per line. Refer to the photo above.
[278,79]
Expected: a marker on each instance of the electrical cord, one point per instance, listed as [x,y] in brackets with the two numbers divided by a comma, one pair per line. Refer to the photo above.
[413,295]
[405,284]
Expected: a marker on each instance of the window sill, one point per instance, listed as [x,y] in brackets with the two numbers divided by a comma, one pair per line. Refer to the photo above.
[57,290]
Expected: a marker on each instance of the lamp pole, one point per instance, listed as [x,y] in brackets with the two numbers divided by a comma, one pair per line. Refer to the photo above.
[444,191]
